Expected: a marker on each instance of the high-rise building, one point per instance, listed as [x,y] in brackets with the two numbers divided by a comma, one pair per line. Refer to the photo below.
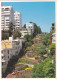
[17,20]
[7,16]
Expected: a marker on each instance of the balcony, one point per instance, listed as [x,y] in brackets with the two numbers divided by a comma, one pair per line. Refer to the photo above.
[5,13]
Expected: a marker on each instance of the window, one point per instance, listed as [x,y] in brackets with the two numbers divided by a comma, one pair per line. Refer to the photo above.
[16,43]
[3,63]
[9,43]
[2,51]
[2,43]
[2,57]
[6,43]
[8,56]
[29,27]
[13,43]
[2,20]
[8,51]
[7,20]
[6,9]
[16,47]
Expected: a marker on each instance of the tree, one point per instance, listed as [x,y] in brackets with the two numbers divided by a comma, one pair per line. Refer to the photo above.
[52,48]
[16,34]
[37,29]
[28,37]
[46,39]
[5,36]
[42,50]
[10,28]
[48,43]
[24,26]
[27,44]
[49,68]
[28,40]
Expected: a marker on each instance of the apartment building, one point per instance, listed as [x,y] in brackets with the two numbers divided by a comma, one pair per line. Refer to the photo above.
[23,32]
[9,48]
[7,16]
[17,20]
[30,28]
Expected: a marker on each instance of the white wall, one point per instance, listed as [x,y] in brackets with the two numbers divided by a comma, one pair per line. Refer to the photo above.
[30,27]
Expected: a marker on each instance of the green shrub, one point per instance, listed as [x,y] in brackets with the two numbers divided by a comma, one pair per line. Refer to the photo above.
[45,69]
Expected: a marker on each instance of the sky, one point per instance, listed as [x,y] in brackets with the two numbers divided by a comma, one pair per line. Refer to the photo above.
[41,13]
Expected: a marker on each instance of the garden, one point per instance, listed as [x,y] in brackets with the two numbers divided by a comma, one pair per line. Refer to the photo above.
[20,66]
[26,60]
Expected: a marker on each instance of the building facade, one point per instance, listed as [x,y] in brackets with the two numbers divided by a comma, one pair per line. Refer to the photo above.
[7,16]
[9,48]
[17,20]
[30,28]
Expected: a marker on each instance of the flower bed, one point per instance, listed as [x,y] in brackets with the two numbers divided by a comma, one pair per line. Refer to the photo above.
[25,60]
[21,67]
[31,54]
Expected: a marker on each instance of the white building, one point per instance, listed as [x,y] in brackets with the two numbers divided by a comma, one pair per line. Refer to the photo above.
[9,48]
[18,20]
[7,16]
[23,32]
[30,28]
